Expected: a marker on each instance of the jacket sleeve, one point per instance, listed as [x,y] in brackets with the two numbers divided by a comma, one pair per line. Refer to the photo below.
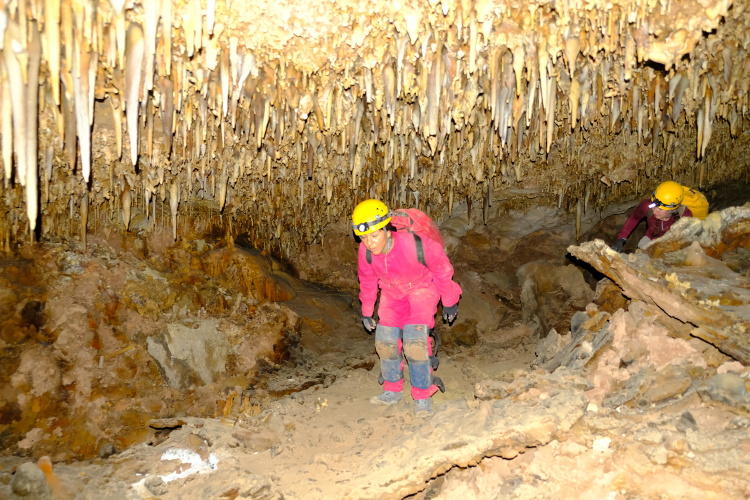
[640,212]
[368,282]
[687,212]
[442,272]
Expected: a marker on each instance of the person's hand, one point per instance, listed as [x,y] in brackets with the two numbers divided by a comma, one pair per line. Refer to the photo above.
[369,323]
[617,245]
[450,313]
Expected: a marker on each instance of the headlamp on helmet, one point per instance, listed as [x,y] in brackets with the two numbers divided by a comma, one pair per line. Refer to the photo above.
[369,216]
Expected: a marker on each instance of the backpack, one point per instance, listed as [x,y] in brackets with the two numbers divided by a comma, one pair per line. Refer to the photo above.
[696,202]
[419,225]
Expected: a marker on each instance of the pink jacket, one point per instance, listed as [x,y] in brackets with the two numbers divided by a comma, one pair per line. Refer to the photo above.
[400,271]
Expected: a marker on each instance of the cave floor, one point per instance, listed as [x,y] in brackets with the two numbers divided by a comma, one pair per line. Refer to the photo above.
[316,435]
[328,441]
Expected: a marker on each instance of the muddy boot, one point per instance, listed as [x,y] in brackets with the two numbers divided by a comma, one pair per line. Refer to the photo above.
[423,407]
[387,398]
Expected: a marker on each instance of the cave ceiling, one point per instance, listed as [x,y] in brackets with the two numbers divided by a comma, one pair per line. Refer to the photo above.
[281,115]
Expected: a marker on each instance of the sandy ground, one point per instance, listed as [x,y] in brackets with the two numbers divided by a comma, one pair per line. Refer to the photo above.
[315,443]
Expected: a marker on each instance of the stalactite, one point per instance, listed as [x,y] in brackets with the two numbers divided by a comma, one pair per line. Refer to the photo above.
[84,218]
[126,200]
[133,73]
[150,131]
[81,61]
[146,199]
[709,109]
[6,125]
[152,11]
[14,56]
[32,109]
[551,101]
[436,103]
[166,35]
[52,45]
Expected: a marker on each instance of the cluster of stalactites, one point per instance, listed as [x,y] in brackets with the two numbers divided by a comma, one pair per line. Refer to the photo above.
[448,100]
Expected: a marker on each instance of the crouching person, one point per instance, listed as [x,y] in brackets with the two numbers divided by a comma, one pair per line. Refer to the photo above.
[667,204]
[389,262]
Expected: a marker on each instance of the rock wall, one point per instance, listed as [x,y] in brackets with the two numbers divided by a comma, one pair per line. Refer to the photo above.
[97,345]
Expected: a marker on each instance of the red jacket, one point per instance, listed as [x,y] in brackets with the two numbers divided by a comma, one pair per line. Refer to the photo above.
[656,227]
[400,271]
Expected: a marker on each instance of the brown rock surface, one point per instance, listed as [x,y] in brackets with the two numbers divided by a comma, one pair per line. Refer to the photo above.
[122,352]
[697,289]
[625,395]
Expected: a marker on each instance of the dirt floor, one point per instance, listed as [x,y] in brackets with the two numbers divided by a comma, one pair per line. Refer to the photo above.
[326,441]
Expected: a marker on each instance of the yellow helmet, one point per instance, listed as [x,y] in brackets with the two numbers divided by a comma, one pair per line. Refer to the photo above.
[369,216]
[668,196]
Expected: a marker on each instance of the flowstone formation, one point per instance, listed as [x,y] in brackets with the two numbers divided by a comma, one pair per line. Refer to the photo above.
[275,118]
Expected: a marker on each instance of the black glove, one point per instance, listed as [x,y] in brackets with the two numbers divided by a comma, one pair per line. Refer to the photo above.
[617,245]
[369,323]
[450,313]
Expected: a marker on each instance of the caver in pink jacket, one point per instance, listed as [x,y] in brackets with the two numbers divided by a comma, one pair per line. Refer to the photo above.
[410,291]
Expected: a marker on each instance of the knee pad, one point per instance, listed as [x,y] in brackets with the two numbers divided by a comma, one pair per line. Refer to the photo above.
[387,334]
[388,345]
